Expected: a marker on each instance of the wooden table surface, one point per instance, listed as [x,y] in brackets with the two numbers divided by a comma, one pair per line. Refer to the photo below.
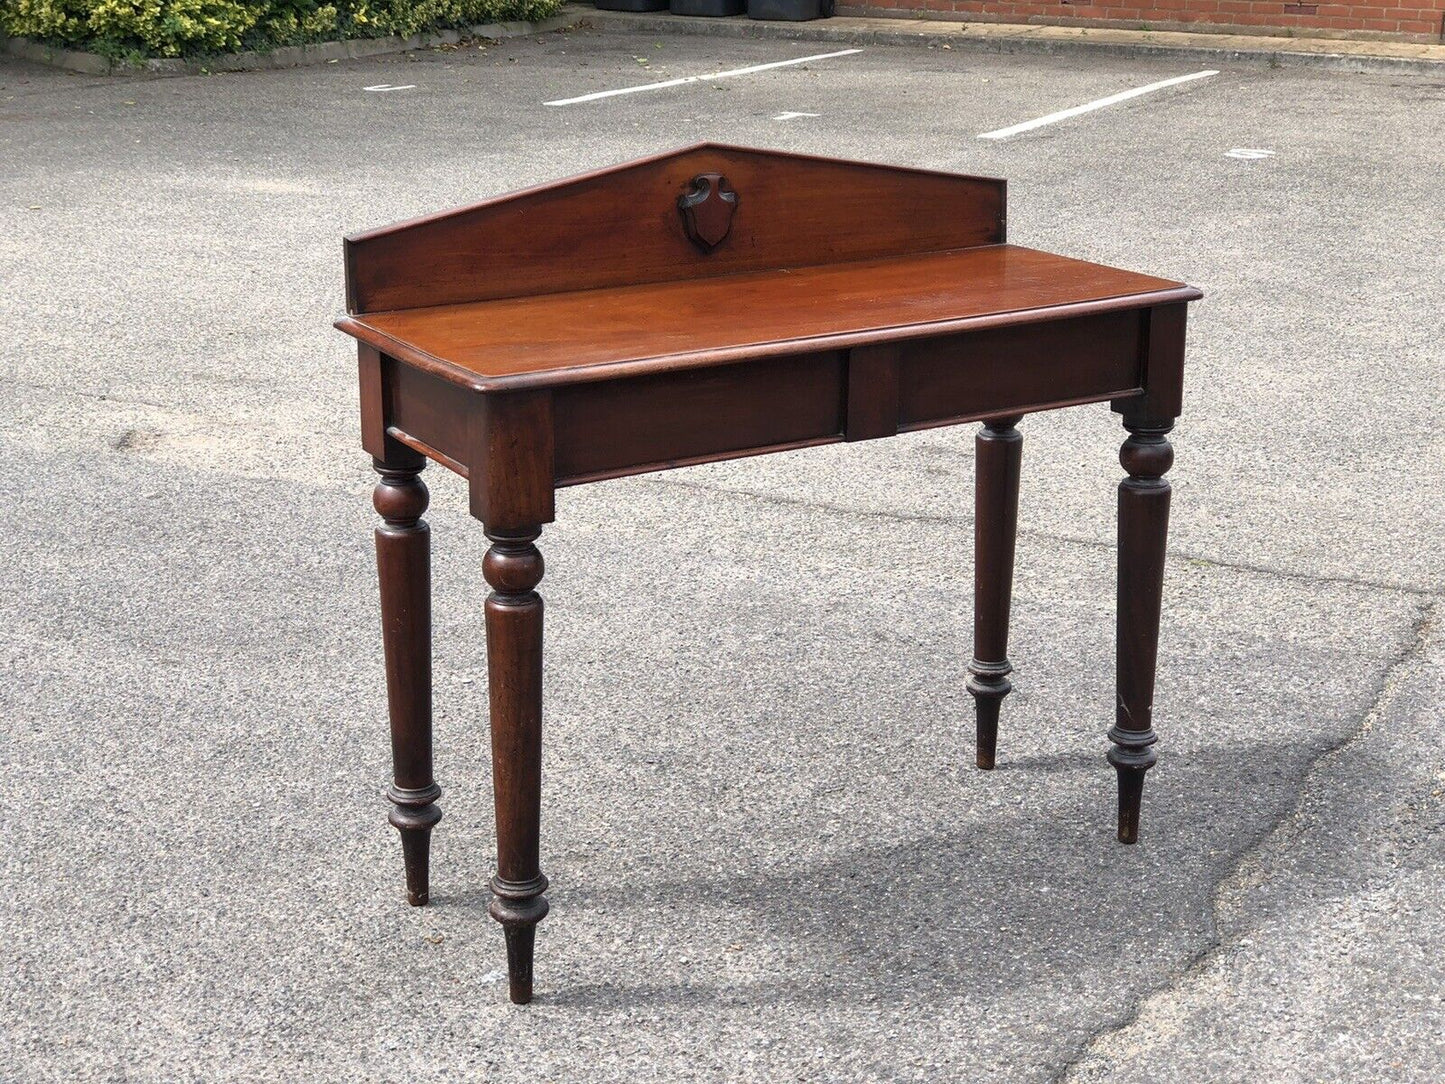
[539,340]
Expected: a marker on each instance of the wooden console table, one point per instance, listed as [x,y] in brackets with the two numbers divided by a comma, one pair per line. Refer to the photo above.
[711,303]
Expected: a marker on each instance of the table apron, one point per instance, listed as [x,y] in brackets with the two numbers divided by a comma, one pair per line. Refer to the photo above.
[607,429]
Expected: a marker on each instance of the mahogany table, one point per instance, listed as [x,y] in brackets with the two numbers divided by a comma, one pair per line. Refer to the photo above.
[706,304]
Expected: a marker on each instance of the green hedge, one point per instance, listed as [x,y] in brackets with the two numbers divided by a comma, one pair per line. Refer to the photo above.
[197,27]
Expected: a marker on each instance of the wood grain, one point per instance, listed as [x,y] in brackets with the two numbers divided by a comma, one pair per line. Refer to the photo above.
[625,331]
[1019,369]
[998,451]
[403,564]
[872,392]
[620,226]
[513,566]
[1143,530]
[651,422]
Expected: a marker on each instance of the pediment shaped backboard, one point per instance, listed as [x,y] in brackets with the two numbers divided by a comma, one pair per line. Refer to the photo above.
[633,224]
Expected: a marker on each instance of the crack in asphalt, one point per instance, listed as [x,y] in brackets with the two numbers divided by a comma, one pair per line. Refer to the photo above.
[1251,861]
[1023,532]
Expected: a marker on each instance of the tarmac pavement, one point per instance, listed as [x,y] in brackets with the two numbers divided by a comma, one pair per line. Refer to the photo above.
[771,858]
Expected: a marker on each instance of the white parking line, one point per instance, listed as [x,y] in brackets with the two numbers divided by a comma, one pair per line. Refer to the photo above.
[1089,107]
[700,78]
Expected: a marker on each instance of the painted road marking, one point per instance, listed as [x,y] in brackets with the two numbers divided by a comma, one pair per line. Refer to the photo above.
[1248,153]
[1089,107]
[381,88]
[700,78]
[789,115]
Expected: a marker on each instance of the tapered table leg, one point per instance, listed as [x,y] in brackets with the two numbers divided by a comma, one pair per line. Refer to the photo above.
[513,567]
[999,450]
[403,562]
[1143,530]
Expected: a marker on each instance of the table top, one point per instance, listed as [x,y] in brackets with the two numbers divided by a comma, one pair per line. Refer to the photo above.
[612,332]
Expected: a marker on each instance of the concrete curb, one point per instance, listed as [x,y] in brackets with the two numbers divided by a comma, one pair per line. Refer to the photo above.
[290,56]
[1329,53]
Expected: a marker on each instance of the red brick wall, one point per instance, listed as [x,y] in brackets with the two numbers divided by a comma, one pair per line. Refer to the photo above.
[1416,20]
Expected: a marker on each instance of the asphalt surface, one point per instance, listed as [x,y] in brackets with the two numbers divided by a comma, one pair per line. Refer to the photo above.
[771,859]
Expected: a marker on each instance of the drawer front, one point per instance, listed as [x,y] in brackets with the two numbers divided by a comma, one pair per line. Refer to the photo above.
[611,428]
[1017,369]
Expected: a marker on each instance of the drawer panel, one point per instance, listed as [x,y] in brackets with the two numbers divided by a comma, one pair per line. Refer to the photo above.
[1008,370]
[611,428]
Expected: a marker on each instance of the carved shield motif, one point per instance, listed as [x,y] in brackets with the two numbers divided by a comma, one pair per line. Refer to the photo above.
[707,210]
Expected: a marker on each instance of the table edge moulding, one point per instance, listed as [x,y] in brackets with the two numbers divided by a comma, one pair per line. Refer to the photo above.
[704,304]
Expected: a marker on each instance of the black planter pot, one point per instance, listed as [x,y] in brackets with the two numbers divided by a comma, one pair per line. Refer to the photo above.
[712,8]
[793,11]
[632,5]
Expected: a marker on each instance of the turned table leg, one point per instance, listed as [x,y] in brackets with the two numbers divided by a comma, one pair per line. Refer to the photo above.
[513,567]
[999,449]
[403,562]
[1143,527]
